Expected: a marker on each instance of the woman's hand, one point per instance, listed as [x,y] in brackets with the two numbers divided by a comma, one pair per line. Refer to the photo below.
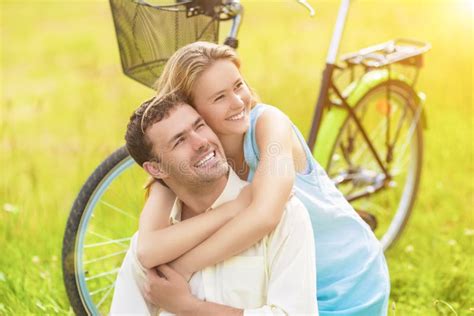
[166,288]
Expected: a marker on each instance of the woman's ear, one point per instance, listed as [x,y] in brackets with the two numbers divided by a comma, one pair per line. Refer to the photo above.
[155,169]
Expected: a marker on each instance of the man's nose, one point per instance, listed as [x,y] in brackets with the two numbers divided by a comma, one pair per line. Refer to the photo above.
[199,142]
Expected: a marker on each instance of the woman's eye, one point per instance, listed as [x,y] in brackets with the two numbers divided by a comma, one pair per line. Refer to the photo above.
[219,98]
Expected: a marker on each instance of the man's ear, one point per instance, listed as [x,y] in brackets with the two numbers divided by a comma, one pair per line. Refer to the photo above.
[155,169]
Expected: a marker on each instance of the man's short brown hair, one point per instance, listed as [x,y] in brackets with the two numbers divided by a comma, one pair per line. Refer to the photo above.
[138,144]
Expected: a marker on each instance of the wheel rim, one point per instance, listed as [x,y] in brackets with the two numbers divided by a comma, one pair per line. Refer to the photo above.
[372,111]
[100,248]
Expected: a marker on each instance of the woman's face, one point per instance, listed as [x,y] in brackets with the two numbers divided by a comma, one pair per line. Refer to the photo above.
[222,98]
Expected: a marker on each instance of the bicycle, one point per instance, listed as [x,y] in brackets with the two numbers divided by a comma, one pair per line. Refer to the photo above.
[372,129]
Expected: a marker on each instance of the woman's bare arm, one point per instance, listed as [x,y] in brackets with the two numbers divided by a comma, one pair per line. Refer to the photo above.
[160,242]
[271,188]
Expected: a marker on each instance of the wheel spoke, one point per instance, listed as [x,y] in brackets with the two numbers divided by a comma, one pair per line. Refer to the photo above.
[105,257]
[411,130]
[102,300]
[103,274]
[105,288]
[403,150]
[112,241]
[118,210]
[400,164]
[399,126]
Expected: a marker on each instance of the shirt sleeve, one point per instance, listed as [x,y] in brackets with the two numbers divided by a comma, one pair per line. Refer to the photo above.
[291,265]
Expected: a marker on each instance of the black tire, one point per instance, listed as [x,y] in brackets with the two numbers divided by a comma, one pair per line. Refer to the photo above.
[77,228]
[396,218]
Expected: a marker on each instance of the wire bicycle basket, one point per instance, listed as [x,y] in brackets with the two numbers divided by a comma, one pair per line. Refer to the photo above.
[148,33]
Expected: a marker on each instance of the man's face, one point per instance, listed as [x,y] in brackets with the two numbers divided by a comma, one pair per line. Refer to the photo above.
[188,150]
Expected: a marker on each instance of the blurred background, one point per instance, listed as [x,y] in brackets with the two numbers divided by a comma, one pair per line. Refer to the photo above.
[65,105]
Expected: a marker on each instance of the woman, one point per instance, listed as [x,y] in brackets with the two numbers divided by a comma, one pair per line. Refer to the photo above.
[265,148]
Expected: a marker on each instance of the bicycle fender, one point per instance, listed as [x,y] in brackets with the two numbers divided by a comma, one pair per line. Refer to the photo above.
[354,92]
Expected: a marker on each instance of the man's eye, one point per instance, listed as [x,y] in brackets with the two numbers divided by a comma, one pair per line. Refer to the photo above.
[200,125]
[179,141]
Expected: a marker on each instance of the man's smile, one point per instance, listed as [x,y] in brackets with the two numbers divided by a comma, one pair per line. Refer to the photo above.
[206,160]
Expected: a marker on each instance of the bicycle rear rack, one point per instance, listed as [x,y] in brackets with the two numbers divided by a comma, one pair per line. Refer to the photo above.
[403,51]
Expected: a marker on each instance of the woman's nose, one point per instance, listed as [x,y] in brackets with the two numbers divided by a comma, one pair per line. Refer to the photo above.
[237,101]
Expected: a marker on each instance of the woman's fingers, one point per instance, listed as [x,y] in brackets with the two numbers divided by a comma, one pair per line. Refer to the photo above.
[155,276]
[153,284]
[167,271]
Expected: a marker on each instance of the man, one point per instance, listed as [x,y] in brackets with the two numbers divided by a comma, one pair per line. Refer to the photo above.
[275,276]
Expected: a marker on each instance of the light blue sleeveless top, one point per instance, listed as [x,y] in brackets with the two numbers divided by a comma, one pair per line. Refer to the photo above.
[352,275]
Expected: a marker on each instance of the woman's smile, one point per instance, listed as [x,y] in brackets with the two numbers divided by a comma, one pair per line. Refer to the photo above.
[237,116]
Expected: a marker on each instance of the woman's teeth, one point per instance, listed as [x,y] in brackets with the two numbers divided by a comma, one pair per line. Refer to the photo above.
[206,159]
[236,117]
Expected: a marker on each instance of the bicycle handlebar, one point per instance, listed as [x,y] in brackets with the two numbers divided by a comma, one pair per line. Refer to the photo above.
[305,4]
[234,10]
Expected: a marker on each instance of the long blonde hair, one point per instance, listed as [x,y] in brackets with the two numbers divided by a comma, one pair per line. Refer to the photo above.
[186,65]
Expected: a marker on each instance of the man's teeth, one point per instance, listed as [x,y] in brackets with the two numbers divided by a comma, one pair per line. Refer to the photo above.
[206,159]
[236,117]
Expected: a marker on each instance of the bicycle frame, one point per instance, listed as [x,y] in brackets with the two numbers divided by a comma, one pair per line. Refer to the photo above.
[343,109]
[329,128]
[328,85]
[328,73]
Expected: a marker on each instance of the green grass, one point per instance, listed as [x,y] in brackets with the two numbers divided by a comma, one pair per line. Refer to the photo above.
[65,104]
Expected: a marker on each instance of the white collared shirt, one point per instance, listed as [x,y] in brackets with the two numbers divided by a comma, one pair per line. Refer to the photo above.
[276,276]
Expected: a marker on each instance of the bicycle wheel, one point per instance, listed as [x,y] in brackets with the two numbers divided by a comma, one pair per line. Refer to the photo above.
[358,175]
[103,218]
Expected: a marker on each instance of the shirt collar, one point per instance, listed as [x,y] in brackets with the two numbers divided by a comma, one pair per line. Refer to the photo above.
[231,190]
[175,215]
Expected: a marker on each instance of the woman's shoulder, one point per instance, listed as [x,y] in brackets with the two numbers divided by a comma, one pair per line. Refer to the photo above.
[268,116]
[263,107]
[265,120]
[268,111]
